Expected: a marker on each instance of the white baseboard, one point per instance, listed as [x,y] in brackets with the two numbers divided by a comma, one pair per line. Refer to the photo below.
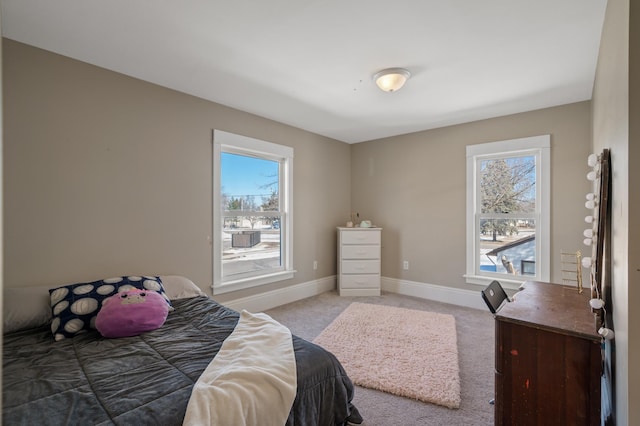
[271,299]
[455,296]
[263,301]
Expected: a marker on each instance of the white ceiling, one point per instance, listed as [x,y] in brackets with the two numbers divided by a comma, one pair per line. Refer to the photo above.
[308,63]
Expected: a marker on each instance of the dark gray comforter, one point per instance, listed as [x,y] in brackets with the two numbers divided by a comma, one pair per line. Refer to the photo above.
[147,380]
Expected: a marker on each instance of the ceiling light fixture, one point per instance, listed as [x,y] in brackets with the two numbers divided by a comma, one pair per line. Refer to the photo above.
[391,79]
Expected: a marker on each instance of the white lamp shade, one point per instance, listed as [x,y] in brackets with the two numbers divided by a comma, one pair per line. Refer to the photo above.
[391,79]
[588,219]
[588,233]
[586,262]
[592,160]
[587,241]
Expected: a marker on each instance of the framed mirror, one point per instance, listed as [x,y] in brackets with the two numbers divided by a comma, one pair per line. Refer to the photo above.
[601,175]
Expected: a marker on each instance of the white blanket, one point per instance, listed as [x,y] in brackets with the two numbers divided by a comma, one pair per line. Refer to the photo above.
[252,379]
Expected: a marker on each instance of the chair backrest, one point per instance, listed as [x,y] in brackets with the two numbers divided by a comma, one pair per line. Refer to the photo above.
[494,296]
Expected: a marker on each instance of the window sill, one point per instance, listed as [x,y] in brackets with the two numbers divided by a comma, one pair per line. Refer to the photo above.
[507,283]
[229,286]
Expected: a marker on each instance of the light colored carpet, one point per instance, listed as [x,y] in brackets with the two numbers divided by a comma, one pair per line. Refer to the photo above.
[405,352]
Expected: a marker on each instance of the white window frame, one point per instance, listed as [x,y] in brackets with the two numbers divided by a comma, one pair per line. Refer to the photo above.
[540,146]
[243,145]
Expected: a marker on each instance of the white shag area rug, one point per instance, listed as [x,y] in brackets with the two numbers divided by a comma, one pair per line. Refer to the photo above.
[405,352]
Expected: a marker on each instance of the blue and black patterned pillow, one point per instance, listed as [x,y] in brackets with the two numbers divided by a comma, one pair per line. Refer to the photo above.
[75,307]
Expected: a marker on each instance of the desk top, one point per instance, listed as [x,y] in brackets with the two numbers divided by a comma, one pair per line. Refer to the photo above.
[553,307]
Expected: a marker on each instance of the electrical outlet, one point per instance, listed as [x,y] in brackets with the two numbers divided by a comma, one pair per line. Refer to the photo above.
[315,265]
[405,265]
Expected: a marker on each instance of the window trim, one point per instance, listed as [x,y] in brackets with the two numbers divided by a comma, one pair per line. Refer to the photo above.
[541,147]
[243,145]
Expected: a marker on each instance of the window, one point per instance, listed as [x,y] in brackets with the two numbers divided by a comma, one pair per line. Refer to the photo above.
[508,184]
[252,218]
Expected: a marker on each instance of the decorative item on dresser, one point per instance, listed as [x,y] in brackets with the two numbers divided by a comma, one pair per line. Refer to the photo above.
[572,268]
[359,261]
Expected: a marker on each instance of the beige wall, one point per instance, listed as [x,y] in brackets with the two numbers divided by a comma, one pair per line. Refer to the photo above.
[616,100]
[1,209]
[107,175]
[415,187]
[633,266]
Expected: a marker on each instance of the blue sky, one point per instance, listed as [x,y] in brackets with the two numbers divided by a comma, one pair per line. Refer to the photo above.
[242,175]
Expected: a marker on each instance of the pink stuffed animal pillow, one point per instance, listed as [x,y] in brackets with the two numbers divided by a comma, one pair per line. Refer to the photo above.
[130,313]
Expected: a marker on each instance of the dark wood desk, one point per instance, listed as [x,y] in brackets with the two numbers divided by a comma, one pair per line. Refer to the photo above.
[548,358]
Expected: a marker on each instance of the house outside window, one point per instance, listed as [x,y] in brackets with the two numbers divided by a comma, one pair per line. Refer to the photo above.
[252,215]
[508,211]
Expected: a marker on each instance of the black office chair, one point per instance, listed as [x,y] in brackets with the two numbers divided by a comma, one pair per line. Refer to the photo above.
[494,296]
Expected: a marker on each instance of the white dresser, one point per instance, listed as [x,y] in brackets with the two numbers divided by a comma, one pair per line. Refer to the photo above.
[359,261]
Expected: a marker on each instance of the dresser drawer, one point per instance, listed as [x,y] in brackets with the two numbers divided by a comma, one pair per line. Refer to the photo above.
[361,237]
[360,281]
[361,252]
[360,266]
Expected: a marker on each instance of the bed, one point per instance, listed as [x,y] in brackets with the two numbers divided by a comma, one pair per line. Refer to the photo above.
[146,379]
